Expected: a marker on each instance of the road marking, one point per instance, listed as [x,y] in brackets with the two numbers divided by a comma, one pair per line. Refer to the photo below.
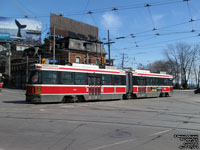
[130,140]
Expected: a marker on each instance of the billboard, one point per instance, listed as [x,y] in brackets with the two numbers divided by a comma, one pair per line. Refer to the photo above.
[71,28]
[21,29]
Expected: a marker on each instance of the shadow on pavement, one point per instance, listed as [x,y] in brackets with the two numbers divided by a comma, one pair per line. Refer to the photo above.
[16,102]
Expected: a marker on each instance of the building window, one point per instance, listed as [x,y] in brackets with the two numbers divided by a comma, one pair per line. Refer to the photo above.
[85,60]
[88,46]
[90,60]
[78,60]
[97,61]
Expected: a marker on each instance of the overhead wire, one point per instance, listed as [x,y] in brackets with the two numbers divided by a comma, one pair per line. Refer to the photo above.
[190,14]
[101,10]
[135,6]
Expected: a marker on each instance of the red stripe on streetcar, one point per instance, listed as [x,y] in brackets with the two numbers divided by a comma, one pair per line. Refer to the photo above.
[120,89]
[38,66]
[165,89]
[156,75]
[62,90]
[135,89]
[108,90]
[88,70]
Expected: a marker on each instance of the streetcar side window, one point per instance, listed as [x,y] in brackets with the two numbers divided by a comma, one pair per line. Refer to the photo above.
[155,81]
[141,80]
[34,77]
[161,81]
[80,78]
[67,78]
[170,82]
[49,77]
[135,80]
[116,80]
[106,79]
[123,80]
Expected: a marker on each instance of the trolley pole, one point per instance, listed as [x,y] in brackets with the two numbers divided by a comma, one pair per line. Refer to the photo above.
[54,44]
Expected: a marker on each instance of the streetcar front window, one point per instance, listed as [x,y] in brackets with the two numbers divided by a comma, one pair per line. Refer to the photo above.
[34,77]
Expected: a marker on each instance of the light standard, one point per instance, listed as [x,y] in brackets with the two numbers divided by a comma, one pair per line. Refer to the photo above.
[9,54]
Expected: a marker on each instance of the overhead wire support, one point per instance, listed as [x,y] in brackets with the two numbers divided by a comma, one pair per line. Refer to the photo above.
[148,7]
[127,28]
[190,14]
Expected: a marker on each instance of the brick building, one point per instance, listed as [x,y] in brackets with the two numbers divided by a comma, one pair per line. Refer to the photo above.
[75,42]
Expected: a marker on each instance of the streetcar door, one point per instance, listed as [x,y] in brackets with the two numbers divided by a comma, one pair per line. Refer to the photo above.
[94,82]
[142,87]
[98,86]
[129,82]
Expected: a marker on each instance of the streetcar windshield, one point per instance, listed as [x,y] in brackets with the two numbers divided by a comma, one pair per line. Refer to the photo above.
[34,77]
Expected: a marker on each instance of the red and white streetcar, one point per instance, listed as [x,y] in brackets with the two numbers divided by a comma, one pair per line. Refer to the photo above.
[80,82]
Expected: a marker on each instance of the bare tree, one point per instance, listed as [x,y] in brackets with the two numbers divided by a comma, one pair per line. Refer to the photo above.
[159,66]
[140,66]
[196,72]
[182,57]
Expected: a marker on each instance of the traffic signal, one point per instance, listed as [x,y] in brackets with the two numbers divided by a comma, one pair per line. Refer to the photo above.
[102,60]
[43,61]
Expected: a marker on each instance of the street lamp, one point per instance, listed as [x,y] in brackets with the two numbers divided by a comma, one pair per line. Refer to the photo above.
[9,54]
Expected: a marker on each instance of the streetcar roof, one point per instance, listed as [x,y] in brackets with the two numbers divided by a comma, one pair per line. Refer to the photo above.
[78,68]
[150,74]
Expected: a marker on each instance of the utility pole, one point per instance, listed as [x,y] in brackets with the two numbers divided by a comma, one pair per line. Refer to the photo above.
[40,59]
[123,61]
[53,44]
[9,54]
[27,69]
[198,77]
[109,47]
[9,62]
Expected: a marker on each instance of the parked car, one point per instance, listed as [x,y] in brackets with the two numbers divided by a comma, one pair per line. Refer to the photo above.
[197,91]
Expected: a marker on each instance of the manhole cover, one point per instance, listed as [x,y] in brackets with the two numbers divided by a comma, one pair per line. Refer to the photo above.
[120,134]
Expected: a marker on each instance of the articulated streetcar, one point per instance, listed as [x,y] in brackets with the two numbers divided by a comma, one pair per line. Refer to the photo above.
[1,81]
[143,83]
[80,82]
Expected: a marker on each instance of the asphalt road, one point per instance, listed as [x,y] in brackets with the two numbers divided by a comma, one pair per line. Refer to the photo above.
[143,124]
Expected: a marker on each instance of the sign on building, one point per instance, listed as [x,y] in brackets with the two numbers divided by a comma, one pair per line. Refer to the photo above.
[71,28]
[20,29]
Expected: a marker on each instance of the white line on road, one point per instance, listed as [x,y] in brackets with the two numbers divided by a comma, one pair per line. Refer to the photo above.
[130,140]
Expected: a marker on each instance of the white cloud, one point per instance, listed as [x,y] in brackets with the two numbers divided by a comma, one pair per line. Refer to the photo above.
[110,20]
[157,18]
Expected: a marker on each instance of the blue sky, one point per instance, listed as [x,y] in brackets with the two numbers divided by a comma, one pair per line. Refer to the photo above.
[170,18]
